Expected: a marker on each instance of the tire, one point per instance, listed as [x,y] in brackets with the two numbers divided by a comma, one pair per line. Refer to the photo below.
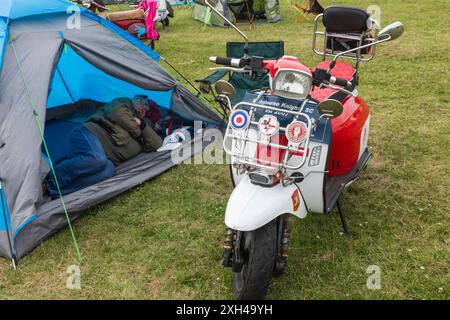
[252,282]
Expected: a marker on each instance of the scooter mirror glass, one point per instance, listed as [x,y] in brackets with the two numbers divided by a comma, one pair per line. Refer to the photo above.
[330,109]
[392,31]
[225,88]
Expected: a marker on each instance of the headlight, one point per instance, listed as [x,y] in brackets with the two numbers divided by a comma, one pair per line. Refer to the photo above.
[292,84]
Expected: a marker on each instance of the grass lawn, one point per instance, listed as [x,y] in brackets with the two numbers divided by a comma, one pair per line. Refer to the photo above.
[163,240]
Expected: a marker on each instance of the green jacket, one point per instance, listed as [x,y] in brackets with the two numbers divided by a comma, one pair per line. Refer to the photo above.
[122,138]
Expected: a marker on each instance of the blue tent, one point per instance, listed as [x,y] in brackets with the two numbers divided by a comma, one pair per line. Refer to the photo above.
[55,56]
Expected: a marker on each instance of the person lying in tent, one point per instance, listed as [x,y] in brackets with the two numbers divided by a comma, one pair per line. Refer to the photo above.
[116,133]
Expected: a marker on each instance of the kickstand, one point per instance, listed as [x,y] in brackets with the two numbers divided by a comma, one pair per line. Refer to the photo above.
[342,216]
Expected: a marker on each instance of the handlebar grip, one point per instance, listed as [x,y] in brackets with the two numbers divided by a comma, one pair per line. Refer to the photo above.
[340,82]
[236,63]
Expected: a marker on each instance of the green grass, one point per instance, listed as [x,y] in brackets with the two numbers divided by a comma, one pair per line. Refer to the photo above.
[163,239]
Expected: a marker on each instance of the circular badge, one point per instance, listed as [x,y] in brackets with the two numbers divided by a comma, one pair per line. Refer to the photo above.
[296,131]
[239,120]
[268,125]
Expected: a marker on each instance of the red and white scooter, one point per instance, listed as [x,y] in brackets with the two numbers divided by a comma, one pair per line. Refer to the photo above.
[296,146]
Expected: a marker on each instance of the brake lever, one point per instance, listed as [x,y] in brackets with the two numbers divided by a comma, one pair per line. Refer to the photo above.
[240,70]
[332,87]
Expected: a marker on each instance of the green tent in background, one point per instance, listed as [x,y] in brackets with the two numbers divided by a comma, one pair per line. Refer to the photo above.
[259,10]
[207,16]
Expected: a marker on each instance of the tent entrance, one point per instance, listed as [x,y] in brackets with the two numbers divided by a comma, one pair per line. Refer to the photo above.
[75,79]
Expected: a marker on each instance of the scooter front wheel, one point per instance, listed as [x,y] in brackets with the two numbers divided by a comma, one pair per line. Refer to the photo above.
[253,262]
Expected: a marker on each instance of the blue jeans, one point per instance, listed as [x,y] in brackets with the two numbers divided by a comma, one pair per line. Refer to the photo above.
[85,163]
[226,9]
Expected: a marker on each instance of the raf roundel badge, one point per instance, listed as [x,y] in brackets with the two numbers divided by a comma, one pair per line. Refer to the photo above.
[296,132]
[268,125]
[239,120]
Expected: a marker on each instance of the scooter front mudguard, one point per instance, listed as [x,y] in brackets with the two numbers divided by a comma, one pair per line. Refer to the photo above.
[251,206]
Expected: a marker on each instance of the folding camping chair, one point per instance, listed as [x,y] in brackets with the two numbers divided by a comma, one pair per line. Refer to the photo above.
[242,82]
[311,7]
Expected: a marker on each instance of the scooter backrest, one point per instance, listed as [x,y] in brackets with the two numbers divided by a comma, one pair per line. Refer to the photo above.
[344,28]
[340,19]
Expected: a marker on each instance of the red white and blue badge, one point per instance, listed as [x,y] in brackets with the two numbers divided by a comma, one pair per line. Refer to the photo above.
[239,120]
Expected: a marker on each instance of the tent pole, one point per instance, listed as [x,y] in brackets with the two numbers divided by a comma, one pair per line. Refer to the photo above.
[65,84]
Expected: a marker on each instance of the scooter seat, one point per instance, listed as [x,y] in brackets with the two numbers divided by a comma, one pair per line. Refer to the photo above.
[341,70]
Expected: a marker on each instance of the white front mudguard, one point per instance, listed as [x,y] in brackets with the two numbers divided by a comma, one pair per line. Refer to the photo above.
[251,206]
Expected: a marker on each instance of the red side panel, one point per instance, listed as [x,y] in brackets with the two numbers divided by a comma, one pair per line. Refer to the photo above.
[346,136]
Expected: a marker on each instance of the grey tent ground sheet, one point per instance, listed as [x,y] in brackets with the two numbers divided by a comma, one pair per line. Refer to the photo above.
[51,216]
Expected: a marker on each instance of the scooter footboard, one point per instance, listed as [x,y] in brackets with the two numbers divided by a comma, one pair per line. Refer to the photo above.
[251,206]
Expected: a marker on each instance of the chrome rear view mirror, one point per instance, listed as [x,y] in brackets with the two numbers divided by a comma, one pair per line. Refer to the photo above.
[330,109]
[225,88]
[391,32]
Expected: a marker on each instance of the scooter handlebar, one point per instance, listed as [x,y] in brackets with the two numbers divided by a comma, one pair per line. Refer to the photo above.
[236,63]
[340,82]
[322,75]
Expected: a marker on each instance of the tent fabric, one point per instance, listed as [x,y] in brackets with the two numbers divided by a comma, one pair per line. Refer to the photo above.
[207,16]
[3,38]
[269,10]
[93,83]
[20,166]
[45,64]
[15,9]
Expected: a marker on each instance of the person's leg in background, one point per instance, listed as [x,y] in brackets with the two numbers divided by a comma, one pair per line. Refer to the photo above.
[85,158]
[226,9]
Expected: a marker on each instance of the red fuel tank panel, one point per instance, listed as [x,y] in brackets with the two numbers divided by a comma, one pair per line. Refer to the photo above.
[346,136]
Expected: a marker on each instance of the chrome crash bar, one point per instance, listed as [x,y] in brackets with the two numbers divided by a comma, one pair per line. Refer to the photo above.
[238,142]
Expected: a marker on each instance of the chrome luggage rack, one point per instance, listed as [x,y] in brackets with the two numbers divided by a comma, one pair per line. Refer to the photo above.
[239,143]
[361,39]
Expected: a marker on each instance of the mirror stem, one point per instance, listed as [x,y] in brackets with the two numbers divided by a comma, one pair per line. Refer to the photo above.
[333,63]
[232,25]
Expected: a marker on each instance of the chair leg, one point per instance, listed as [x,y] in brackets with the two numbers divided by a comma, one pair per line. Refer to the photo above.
[342,216]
